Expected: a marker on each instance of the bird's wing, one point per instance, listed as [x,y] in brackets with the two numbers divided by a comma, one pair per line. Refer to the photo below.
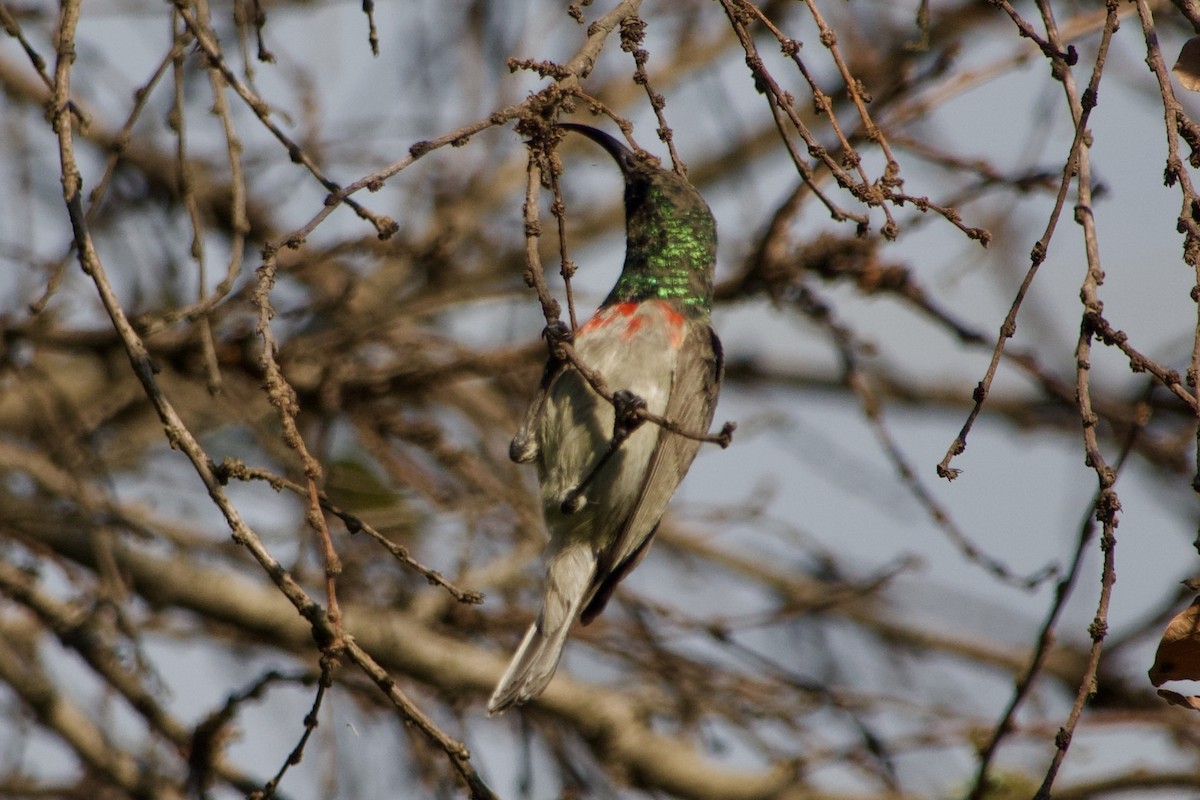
[524,445]
[691,403]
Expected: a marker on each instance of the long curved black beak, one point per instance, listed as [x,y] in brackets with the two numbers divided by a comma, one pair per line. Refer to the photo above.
[624,157]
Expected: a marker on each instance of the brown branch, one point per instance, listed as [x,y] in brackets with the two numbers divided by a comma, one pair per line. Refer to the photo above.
[69,722]
[535,276]
[323,681]
[615,725]
[1046,636]
[633,34]
[233,469]
[207,41]
[238,225]
[1081,113]
[1178,124]
[79,631]
[324,627]
[156,167]
[1106,504]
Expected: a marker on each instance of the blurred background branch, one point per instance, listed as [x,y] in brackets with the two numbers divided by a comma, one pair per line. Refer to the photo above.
[297,253]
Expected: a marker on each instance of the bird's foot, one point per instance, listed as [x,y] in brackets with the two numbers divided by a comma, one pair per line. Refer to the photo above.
[627,418]
[556,334]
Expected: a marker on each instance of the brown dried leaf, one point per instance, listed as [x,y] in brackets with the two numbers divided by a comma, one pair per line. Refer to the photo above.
[1187,67]
[1178,656]
[1176,699]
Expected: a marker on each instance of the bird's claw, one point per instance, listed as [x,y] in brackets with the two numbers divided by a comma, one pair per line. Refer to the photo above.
[627,408]
[556,334]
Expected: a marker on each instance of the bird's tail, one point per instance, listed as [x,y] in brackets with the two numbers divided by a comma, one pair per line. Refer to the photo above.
[569,576]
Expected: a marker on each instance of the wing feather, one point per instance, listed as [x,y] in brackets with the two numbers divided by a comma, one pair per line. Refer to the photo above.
[524,447]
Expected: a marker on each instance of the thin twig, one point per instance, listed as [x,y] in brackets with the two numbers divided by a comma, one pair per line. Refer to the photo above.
[324,629]
[234,469]
[1178,124]
[324,681]
[1081,113]
[535,276]
[457,752]
[239,226]
[633,34]
[1045,638]
[1107,504]
[78,630]
[206,39]
[210,736]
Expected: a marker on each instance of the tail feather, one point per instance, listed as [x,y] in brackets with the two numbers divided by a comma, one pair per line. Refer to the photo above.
[568,580]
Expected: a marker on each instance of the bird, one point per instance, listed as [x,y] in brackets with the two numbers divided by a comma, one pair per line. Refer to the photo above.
[605,475]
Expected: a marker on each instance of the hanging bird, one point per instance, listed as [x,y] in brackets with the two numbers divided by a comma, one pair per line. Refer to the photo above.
[606,479]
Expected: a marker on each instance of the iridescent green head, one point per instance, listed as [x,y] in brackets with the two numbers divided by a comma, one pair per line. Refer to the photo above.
[670,235]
